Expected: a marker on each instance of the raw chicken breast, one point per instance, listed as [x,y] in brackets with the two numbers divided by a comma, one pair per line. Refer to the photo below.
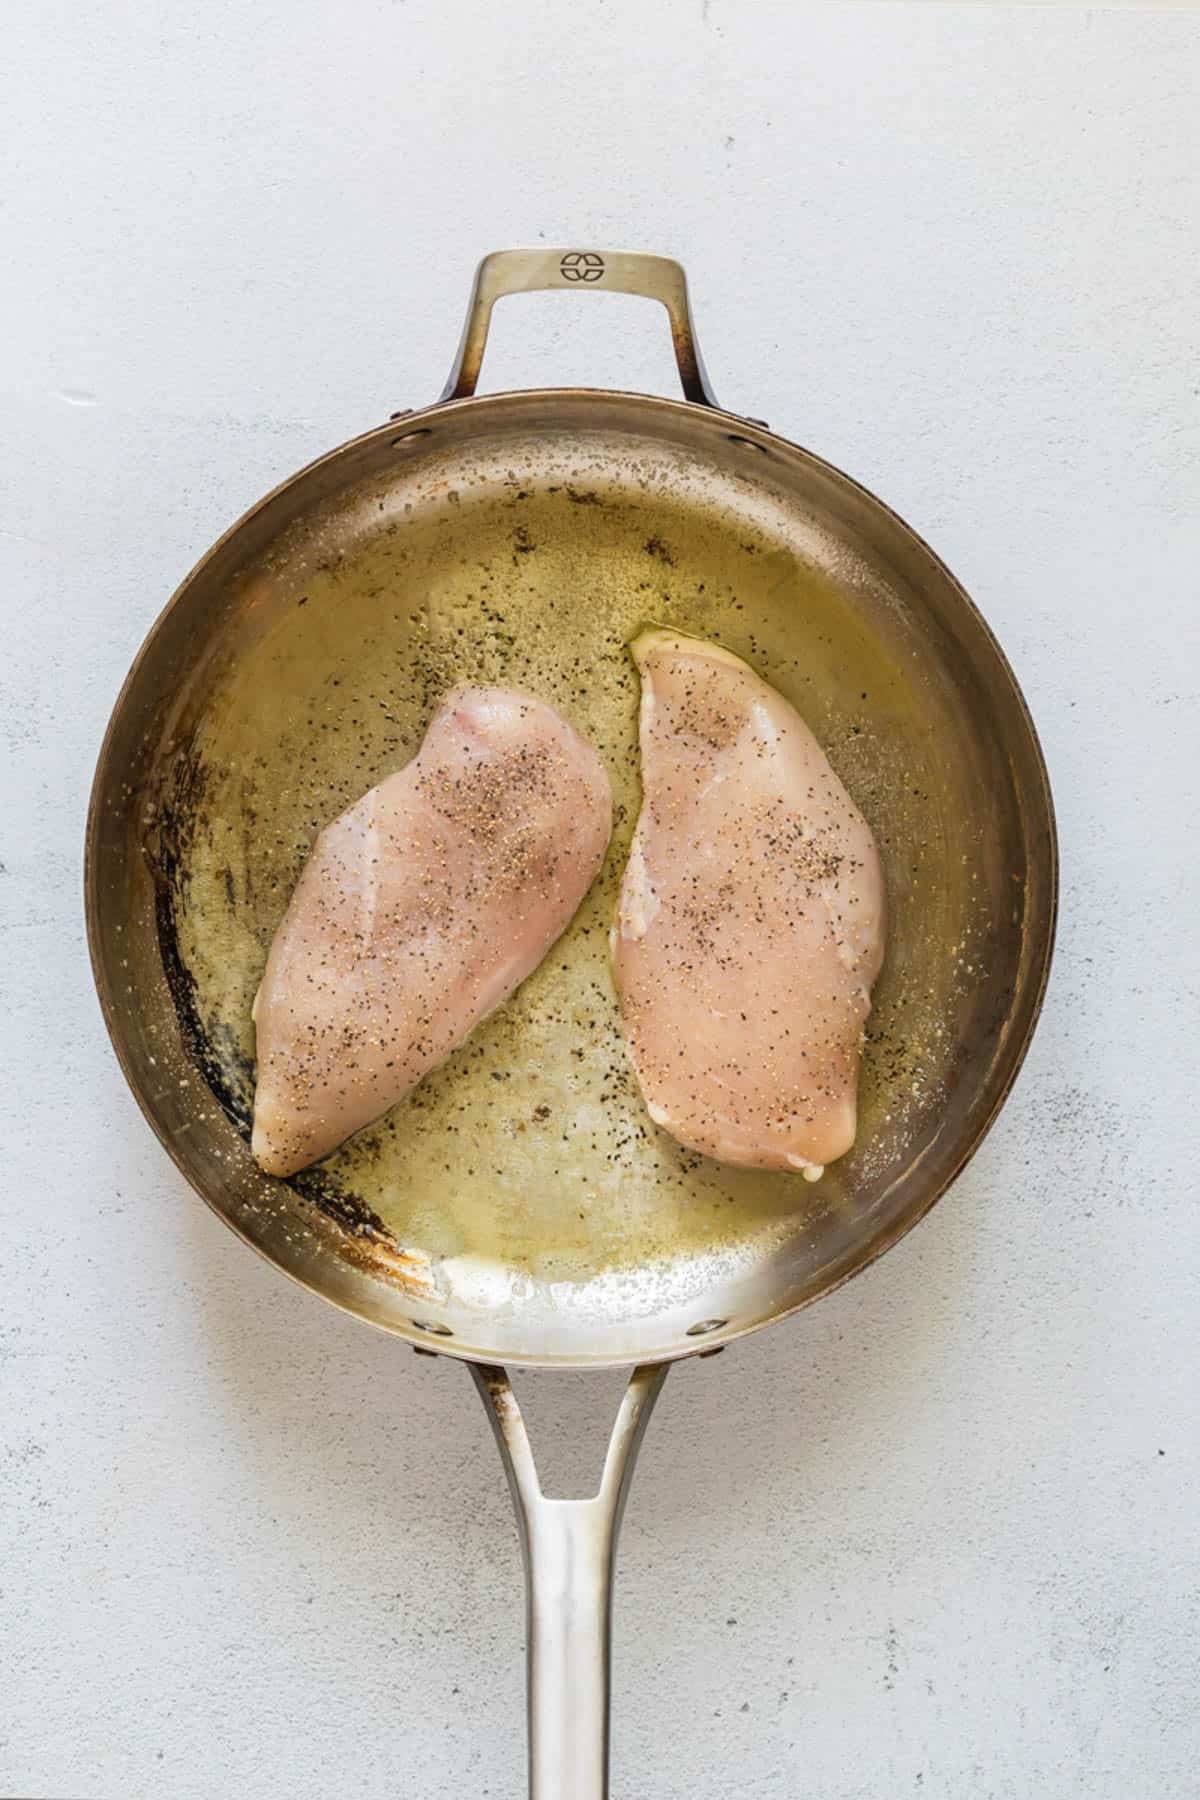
[750,925]
[420,909]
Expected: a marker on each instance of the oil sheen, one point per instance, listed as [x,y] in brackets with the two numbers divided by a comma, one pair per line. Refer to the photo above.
[529,1153]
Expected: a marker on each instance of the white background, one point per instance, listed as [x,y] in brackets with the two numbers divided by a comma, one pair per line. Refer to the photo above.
[939,1536]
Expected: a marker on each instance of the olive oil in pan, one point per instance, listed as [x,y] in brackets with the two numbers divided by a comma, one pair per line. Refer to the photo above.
[530,1151]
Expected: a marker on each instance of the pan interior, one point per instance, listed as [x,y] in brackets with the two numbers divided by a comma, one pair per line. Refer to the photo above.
[519,1202]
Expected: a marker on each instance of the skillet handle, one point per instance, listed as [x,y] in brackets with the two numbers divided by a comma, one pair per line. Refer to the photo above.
[620,271]
[569,1548]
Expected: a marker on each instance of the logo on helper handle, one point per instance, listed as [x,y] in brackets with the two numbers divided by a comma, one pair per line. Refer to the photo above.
[581,265]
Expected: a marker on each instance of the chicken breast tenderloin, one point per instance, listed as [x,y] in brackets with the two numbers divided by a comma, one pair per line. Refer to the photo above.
[420,909]
[751,919]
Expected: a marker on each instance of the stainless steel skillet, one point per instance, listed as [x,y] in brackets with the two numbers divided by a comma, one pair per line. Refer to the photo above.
[520,1208]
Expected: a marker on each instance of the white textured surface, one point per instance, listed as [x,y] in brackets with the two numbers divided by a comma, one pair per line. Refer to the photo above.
[937,1537]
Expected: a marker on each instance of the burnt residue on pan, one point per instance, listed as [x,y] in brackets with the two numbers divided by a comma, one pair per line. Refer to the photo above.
[168,845]
[362,1236]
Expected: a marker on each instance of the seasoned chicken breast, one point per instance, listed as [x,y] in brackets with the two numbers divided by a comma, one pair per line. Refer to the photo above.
[420,909]
[750,926]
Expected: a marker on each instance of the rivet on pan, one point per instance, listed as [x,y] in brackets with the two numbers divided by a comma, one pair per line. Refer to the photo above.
[410,437]
[433,1330]
[717,1350]
[747,443]
[705,1326]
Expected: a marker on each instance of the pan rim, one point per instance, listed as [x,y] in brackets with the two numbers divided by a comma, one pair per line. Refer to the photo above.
[1008,1064]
